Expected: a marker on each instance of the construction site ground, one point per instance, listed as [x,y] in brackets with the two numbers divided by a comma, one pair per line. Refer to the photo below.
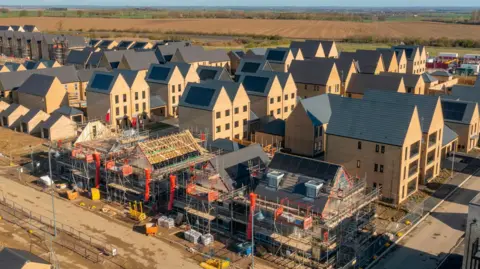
[17,147]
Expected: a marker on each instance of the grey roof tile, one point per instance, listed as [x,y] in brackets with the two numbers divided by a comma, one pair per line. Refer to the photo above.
[52,120]
[448,135]
[312,72]
[156,101]
[457,111]
[31,114]
[410,80]
[102,82]
[16,259]
[37,84]
[367,59]
[258,84]
[211,72]
[84,75]
[319,108]
[427,78]
[309,47]
[359,83]
[140,60]
[274,127]
[79,56]
[68,111]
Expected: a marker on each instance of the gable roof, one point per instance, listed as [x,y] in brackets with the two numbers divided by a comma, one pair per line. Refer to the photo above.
[410,50]
[200,96]
[30,64]
[257,51]
[68,111]
[367,59]
[16,259]
[114,56]
[79,56]
[32,113]
[259,83]
[277,55]
[211,72]
[166,51]
[359,83]
[466,93]
[12,108]
[124,44]
[457,111]
[225,145]
[387,55]
[159,73]
[52,120]
[182,67]
[448,135]
[425,104]
[128,75]
[427,78]
[251,65]
[274,127]
[140,60]
[441,73]
[12,66]
[410,80]
[102,82]
[385,123]
[312,72]
[37,84]
[192,54]
[95,58]
[319,108]
[309,47]
[84,75]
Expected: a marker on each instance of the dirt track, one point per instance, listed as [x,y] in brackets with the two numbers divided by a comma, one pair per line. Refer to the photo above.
[286,28]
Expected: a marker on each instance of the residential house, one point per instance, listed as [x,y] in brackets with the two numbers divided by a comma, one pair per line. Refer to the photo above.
[390,61]
[280,59]
[416,58]
[413,83]
[449,142]
[84,76]
[235,57]
[215,73]
[251,66]
[432,124]
[381,144]
[369,61]
[125,44]
[72,113]
[139,93]
[316,77]
[442,75]
[107,44]
[58,127]
[271,133]
[42,92]
[256,53]
[3,106]
[267,95]
[166,51]
[114,58]
[142,45]
[20,259]
[443,82]
[289,90]
[221,109]
[316,48]
[137,60]
[30,123]
[10,117]
[168,81]
[30,28]
[197,56]
[462,117]
[401,59]
[306,126]
[79,58]
[359,83]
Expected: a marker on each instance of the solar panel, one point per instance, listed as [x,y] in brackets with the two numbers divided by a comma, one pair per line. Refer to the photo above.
[255,84]
[250,67]
[93,42]
[139,45]
[106,43]
[453,110]
[159,73]
[114,65]
[124,44]
[102,82]
[200,96]
[206,74]
[276,55]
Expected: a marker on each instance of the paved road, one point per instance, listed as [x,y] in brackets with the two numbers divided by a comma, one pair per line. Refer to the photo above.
[139,250]
[437,235]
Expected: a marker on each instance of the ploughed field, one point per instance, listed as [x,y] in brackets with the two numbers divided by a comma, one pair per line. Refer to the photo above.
[285,28]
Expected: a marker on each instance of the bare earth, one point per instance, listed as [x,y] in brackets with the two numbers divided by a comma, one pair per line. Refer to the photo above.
[141,251]
[286,28]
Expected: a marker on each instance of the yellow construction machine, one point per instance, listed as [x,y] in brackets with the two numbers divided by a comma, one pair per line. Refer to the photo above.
[136,211]
[215,264]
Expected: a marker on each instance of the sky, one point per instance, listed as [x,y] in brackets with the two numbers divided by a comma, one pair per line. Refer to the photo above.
[344,3]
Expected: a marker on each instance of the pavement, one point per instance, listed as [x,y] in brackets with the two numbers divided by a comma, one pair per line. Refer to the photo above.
[138,250]
[439,234]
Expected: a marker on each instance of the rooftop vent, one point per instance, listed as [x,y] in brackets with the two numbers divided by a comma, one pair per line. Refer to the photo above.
[274,179]
[313,188]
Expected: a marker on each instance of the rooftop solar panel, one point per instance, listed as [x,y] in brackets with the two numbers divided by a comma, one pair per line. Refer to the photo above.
[255,84]
[114,65]
[124,44]
[276,55]
[102,82]
[240,53]
[206,74]
[250,67]
[200,96]
[139,45]
[453,110]
[93,42]
[159,73]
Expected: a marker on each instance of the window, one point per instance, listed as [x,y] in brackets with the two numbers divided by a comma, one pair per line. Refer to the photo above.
[117,111]
[383,149]
[271,112]
[227,112]
[286,97]
[76,86]
[329,89]
[292,107]
[236,124]
[124,98]
[272,100]
[173,88]
[292,95]
[116,99]
[219,129]
[244,108]
[403,192]
[404,172]
[237,136]
[125,110]
[375,168]
[66,86]
[279,111]
[218,115]
[305,86]
[411,186]
[143,94]
[358,163]
[136,107]
[179,87]
[414,149]
[377,148]
[279,99]
[359,145]
[285,109]
[144,106]
[244,121]
[432,139]
[136,96]
[381,168]
[236,110]
[227,126]
[173,99]
[406,152]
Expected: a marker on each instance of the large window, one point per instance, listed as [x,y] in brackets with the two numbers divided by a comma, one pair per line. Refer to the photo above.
[431,157]
[432,139]
[412,186]
[429,174]
[359,145]
[414,149]
[412,168]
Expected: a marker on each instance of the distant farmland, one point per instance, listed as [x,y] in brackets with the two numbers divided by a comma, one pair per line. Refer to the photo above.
[285,28]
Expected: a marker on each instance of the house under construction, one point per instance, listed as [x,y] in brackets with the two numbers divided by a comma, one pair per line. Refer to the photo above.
[311,213]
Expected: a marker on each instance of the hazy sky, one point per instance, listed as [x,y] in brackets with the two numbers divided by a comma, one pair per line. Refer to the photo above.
[347,3]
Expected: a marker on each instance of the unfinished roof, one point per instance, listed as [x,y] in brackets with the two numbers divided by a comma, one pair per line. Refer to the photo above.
[367,59]
[410,80]
[213,73]
[17,259]
[426,104]
[457,111]
[359,83]
[380,122]
[312,72]
[170,147]
[37,84]
[140,60]
[319,108]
